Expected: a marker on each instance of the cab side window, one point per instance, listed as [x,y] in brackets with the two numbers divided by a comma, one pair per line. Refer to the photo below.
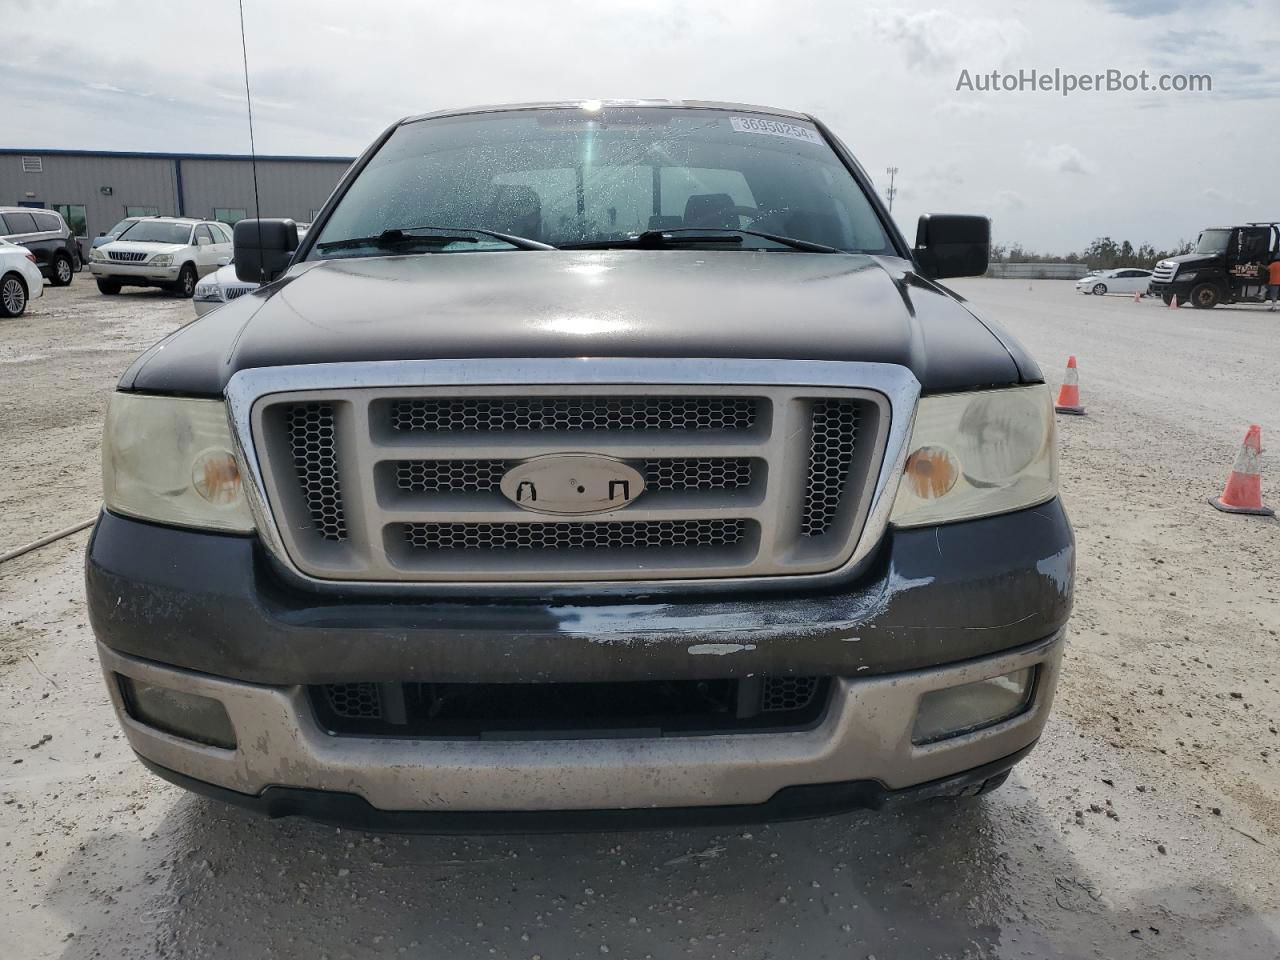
[202,232]
[47,223]
[1253,244]
[19,223]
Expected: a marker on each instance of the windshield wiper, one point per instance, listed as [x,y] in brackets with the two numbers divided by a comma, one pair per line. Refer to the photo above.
[654,239]
[402,236]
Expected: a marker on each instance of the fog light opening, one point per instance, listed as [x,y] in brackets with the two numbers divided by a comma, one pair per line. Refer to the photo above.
[186,715]
[968,707]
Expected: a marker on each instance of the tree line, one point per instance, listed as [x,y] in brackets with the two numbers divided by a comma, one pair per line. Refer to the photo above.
[1103,254]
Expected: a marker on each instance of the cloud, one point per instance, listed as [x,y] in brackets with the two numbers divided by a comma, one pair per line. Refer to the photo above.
[1061,158]
[963,109]
[1010,200]
[1146,9]
[1217,196]
[940,40]
[884,81]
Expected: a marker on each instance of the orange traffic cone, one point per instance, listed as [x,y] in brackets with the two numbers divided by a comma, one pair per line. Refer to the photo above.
[1069,395]
[1137,297]
[1243,492]
[1173,302]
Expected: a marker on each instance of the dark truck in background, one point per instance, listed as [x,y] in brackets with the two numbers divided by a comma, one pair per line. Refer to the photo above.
[1228,265]
[587,464]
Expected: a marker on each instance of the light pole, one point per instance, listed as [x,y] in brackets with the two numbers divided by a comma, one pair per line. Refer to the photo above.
[893,173]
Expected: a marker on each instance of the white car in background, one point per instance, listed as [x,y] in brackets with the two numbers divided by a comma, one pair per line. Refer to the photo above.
[1124,280]
[20,279]
[223,285]
[169,252]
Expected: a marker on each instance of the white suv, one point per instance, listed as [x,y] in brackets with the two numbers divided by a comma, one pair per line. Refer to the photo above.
[170,252]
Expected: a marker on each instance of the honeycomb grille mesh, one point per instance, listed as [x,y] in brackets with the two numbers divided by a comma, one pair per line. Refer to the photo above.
[480,476]
[451,476]
[787,693]
[835,427]
[612,535]
[355,701]
[313,443]
[429,414]
[697,473]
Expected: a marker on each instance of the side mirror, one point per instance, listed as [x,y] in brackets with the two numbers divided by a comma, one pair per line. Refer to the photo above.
[952,245]
[263,249]
[103,233]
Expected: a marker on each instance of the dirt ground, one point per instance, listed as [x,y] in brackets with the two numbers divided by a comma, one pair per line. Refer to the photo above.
[1145,825]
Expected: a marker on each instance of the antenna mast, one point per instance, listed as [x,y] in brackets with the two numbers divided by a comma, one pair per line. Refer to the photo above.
[253,152]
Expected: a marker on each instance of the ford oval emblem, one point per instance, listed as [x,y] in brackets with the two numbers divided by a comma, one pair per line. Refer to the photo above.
[572,483]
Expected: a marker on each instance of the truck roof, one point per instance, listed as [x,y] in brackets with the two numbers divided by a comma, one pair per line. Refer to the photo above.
[578,104]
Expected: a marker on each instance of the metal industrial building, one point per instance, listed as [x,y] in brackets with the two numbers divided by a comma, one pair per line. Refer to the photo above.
[93,189]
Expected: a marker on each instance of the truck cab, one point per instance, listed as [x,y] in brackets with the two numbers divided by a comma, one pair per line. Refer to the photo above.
[1228,265]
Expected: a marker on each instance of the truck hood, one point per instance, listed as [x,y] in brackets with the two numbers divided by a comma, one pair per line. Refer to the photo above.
[1194,258]
[615,303]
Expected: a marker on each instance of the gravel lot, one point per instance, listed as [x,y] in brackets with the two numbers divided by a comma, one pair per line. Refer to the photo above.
[1145,825]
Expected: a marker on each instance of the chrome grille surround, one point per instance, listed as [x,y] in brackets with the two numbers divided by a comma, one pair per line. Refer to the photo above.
[770,502]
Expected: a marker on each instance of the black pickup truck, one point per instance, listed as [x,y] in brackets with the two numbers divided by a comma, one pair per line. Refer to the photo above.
[587,464]
[1228,265]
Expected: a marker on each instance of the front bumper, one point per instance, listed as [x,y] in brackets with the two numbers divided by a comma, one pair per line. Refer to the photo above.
[218,604]
[212,615]
[791,803]
[865,737]
[134,272]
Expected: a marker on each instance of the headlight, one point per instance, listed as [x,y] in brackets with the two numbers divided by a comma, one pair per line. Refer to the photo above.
[977,454]
[207,291]
[96,254]
[162,260]
[1185,275]
[170,460]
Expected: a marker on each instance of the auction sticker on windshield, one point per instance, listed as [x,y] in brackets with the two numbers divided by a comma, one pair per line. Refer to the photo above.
[775,128]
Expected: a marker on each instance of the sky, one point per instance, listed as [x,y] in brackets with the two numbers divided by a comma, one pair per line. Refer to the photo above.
[1052,172]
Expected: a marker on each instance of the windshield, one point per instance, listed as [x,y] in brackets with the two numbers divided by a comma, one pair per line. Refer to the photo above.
[1213,241]
[151,231]
[566,176]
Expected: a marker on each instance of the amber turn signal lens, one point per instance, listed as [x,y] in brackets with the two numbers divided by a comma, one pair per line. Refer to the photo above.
[931,472]
[216,477]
